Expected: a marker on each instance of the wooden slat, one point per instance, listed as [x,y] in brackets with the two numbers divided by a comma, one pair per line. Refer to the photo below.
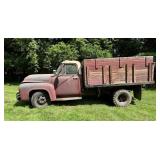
[110,74]
[133,73]
[126,73]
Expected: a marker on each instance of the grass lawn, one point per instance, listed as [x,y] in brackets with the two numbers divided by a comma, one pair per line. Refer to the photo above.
[87,109]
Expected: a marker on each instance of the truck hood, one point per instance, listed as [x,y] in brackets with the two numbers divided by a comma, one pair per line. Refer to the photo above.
[37,78]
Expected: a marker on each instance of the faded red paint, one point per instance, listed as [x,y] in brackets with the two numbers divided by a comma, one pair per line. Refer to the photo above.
[57,86]
[118,71]
[67,85]
[27,88]
[36,78]
[96,72]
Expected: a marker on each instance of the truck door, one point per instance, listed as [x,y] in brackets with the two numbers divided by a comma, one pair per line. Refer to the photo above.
[67,83]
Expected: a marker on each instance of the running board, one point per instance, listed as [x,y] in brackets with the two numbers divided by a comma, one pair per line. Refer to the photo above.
[68,98]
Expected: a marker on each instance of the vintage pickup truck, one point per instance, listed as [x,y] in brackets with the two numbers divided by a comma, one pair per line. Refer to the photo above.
[120,77]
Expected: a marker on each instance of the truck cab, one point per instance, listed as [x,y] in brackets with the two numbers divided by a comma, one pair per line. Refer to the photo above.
[64,84]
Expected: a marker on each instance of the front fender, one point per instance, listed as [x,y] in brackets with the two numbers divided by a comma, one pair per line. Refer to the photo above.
[26,88]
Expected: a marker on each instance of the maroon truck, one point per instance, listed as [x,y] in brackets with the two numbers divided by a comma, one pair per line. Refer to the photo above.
[120,78]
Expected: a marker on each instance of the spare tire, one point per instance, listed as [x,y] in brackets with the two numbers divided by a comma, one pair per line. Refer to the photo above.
[122,98]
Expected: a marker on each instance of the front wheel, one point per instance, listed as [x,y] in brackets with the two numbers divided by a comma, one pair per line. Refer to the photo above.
[40,99]
[122,98]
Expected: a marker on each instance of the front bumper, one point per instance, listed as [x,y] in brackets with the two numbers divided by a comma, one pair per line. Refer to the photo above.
[18,96]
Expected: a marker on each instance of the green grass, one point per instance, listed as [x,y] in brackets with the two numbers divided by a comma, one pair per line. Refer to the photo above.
[88,109]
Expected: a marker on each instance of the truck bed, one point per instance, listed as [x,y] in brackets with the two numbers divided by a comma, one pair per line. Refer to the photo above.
[118,71]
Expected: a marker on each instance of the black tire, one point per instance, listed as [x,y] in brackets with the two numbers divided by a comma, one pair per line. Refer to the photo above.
[40,99]
[122,98]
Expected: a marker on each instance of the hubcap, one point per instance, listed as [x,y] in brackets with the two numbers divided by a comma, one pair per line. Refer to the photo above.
[42,100]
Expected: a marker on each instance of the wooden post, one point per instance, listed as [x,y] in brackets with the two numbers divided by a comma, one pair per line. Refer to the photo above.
[110,74]
[95,64]
[126,73]
[151,79]
[152,71]
[133,73]
[119,63]
[145,61]
[86,75]
[149,72]
[103,75]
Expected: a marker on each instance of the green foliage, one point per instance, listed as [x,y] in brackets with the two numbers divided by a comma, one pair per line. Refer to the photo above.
[24,56]
[60,52]
[21,55]
[32,56]
[147,54]
[127,46]
[93,48]
[133,46]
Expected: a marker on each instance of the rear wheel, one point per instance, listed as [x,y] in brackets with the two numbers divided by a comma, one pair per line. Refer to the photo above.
[40,99]
[122,98]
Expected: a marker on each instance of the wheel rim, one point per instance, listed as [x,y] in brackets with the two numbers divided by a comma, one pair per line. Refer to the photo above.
[41,100]
[122,98]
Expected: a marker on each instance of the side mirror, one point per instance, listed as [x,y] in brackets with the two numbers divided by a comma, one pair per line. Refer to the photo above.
[54,72]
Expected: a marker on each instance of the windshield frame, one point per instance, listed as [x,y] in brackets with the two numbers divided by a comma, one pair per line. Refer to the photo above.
[59,69]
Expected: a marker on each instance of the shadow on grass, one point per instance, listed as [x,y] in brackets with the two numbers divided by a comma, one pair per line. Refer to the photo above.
[83,102]
[21,104]
[150,89]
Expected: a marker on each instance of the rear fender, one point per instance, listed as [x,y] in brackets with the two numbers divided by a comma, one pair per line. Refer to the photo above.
[27,88]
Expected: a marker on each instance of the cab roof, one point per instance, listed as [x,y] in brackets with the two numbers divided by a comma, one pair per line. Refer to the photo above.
[72,62]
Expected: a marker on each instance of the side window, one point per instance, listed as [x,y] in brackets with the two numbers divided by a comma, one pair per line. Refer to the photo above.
[71,69]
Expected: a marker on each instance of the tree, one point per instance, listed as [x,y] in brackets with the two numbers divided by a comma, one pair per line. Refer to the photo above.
[58,53]
[126,46]
[23,56]
[92,48]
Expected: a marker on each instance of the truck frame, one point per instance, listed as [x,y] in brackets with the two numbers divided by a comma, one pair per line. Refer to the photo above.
[117,77]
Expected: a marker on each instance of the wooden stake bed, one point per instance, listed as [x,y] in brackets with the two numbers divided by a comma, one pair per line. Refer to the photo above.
[118,71]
